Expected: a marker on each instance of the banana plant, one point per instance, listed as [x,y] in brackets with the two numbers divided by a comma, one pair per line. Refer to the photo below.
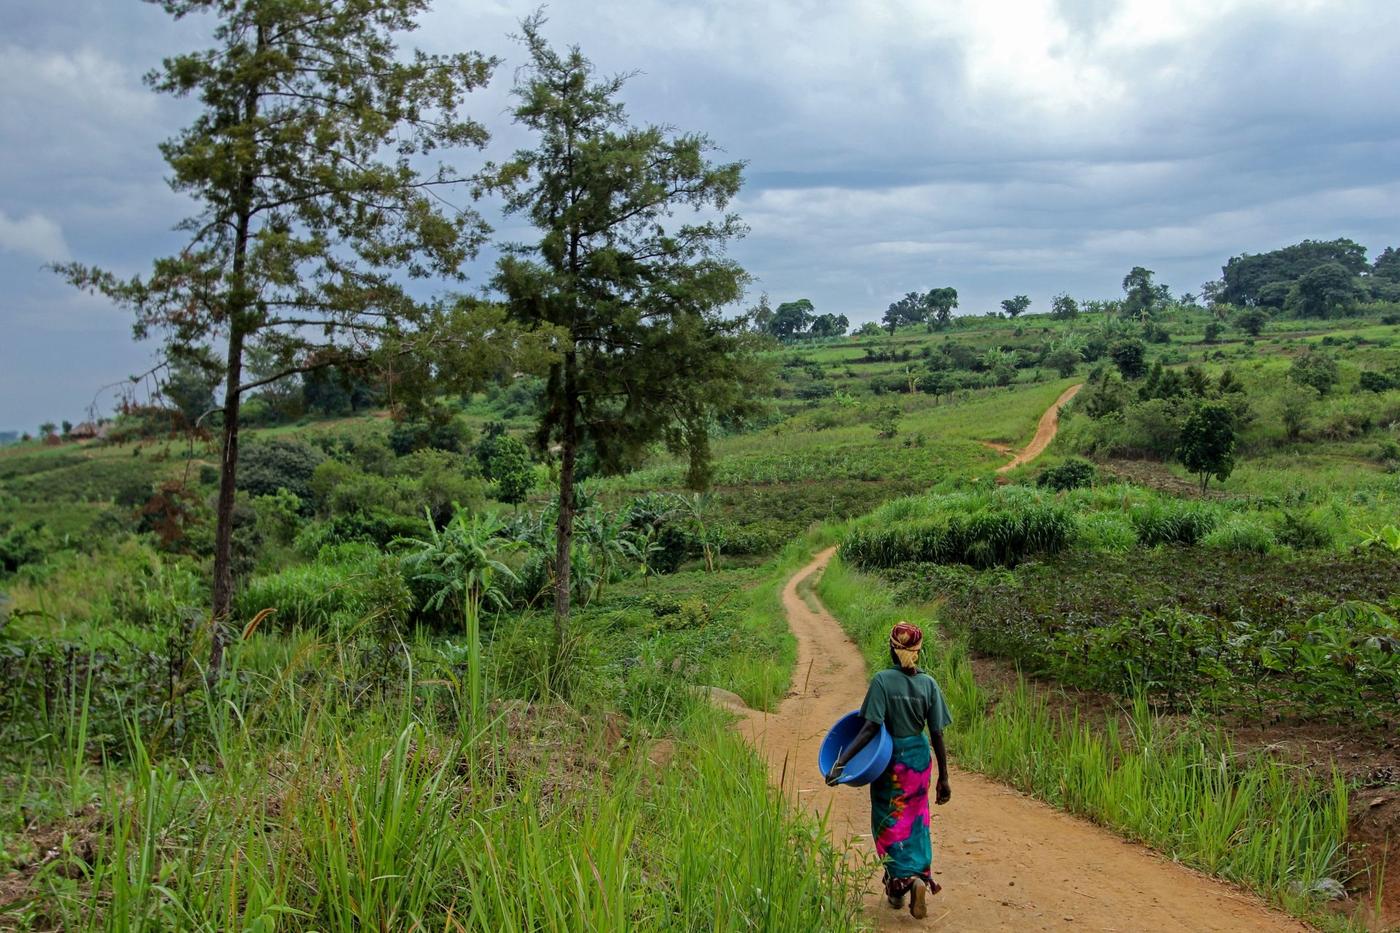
[1386,537]
[606,536]
[696,507]
[463,562]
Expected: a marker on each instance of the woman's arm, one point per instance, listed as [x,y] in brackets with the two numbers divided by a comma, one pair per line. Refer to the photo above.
[943,792]
[862,739]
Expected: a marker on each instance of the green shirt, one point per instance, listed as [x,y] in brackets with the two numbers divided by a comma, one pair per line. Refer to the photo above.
[905,703]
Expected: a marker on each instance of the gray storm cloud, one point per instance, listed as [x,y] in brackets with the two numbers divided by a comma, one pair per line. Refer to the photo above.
[1019,147]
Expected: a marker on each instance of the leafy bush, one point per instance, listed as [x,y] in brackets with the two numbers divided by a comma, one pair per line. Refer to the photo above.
[23,544]
[1299,530]
[369,526]
[1072,474]
[1315,368]
[512,470]
[1372,381]
[439,481]
[1130,356]
[268,466]
[438,429]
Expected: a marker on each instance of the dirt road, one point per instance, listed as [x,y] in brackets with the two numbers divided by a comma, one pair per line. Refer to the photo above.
[1006,861]
[1044,432]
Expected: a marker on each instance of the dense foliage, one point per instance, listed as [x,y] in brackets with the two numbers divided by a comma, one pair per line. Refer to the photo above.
[1311,635]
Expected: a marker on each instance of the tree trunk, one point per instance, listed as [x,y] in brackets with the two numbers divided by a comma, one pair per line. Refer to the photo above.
[564,531]
[239,302]
[223,511]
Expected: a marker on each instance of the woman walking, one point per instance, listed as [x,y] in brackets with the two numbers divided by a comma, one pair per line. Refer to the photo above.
[907,701]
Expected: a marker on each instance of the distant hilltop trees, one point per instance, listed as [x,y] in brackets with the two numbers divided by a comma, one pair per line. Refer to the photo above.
[1311,279]
[796,320]
[1314,278]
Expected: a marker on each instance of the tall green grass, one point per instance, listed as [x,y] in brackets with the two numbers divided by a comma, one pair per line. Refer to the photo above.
[315,797]
[982,526]
[982,529]
[395,819]
[1251,819]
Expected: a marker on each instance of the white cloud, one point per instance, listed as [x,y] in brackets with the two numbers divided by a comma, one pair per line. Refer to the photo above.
[33,235]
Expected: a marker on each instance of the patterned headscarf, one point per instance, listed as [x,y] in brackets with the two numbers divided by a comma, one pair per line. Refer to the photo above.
[906,639]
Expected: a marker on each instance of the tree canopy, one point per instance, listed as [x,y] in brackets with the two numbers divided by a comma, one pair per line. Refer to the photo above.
[1142,295]
[791,319]
[1064,308]
[1014,307]
[1324,291]
[1207,445]
[934,307]
[1267,278]
[829,325]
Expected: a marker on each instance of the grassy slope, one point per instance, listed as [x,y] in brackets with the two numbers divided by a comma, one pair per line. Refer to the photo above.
[279,852]
[552,818]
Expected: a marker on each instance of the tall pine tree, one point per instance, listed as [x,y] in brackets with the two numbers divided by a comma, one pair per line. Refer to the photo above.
[312,210]
[635,294]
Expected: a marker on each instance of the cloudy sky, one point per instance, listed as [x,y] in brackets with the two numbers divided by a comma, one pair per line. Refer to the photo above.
[998,146]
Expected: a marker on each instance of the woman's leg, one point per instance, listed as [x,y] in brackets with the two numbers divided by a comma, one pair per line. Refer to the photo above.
[900,823]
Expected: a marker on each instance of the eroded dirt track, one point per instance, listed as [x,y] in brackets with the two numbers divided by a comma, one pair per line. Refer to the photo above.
[1006,861]
[1045,431]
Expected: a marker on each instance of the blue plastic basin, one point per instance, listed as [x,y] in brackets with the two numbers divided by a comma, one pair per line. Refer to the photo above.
[868,764]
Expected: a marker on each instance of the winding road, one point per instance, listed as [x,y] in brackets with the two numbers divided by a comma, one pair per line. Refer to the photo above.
[1045,431]
[1005,860]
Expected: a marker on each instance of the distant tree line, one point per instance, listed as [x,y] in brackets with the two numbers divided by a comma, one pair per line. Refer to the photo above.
[796,320]
[1314,278]
[933,308]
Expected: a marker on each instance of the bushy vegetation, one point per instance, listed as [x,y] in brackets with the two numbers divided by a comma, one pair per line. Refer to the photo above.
[105,702]
[1312,635]
[1004,526]
[978,529]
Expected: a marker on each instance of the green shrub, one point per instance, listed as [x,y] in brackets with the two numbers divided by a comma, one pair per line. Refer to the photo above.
[1315,368]
[1130,356]
[1300,530]
[23,544]
[438,429]
[1372,381]
[279,463]
[1072,474]
[438,481]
